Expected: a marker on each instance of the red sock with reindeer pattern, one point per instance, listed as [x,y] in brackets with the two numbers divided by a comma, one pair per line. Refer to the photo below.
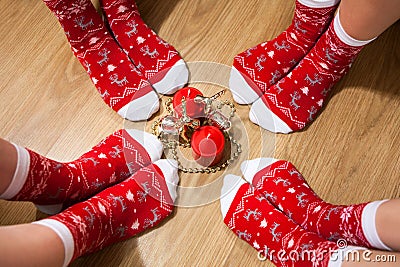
[120,84]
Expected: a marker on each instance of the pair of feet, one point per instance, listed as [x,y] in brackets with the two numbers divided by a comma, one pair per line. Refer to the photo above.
[125,60]
[288,79]
[118,189]
[277,213]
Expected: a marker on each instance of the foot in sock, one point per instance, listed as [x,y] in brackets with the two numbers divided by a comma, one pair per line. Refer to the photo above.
[158,61]
[52,185]
[252,218]
[260,67]
[294,102]
[120,84]
[119,212]
[284,186]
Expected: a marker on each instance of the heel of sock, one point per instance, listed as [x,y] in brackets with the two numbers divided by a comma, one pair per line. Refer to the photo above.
[50,209]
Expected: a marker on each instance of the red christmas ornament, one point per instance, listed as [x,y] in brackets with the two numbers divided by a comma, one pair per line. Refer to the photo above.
[193,109]
[208,144]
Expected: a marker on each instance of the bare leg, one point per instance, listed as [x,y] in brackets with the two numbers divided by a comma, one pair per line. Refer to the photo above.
[30,245]
[373,258]
[366,19]
[8,164]
[387,223]
[25,244]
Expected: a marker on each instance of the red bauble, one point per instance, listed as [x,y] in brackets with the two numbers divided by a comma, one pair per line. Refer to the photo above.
[208,144]
[193,109]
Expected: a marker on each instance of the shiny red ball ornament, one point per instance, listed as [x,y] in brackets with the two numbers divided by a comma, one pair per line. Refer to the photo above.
[193,109]
[208,144]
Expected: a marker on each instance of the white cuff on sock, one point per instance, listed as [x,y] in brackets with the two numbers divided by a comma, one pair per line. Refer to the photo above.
[150,142]
[65,235]
[339,256]
[344,37]
[319,3]
[20,175]
[368,222]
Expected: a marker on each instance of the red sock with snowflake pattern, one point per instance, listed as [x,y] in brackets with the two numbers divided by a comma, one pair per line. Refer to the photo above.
[283,185]
[52,185]
[120,84]
[117,213]
[158,61]
[293,102]
[260,67]
[276,237]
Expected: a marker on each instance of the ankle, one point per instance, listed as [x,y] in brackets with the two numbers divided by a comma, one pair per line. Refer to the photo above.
[8,164]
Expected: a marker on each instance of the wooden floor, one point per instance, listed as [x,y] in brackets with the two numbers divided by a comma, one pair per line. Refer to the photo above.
[349,155]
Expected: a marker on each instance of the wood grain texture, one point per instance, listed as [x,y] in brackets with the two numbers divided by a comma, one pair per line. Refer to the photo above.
[349,155]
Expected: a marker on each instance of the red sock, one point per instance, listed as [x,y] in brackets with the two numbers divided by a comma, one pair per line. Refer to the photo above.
[117,213]
[155,58]
[260,67]
[293,103]
[52,185]
[283,185]
[120,84]
[252,218]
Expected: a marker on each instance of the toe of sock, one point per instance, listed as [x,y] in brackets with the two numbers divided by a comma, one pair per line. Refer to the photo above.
[250,168]
[261,115]
[242,92]
[141,108]
[175,78]
[229,190]
[149,142]
[169,169]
